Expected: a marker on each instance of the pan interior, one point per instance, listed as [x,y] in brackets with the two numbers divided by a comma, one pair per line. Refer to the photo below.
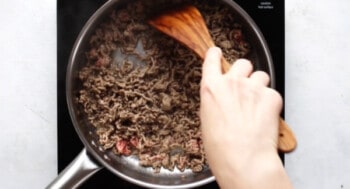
[128,167]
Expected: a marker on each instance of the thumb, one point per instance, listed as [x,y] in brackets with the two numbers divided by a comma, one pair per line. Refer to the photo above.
[211,64]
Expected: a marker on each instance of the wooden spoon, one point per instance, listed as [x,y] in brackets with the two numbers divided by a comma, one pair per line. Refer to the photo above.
[187,26]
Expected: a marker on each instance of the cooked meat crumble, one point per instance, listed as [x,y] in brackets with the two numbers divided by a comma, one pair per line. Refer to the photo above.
[140,89]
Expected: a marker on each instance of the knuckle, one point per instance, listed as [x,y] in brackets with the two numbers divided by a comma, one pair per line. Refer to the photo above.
[264,75]
[233,80]
[243,61]
[275,97]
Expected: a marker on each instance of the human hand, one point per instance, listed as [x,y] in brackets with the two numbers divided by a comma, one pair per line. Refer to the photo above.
[239,120]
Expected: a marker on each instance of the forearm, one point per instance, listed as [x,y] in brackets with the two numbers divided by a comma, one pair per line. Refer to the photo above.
[258,173]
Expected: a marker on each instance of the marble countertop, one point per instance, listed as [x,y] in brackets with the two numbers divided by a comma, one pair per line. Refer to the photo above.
[317,99]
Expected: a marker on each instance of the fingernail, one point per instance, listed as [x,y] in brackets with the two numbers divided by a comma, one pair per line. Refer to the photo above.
[215,51]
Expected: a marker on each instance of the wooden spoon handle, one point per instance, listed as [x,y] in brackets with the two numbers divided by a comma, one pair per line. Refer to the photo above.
[188,27]
[225,66]
[286,138]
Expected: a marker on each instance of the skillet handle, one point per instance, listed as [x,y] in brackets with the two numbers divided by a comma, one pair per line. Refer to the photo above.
[79,170]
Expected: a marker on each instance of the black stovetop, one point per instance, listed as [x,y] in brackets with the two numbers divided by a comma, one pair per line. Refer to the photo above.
[71,17]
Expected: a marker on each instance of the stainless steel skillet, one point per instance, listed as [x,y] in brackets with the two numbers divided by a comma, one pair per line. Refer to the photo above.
[93,157]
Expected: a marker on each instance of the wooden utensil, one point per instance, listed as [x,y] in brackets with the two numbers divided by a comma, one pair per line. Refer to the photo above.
[187,26]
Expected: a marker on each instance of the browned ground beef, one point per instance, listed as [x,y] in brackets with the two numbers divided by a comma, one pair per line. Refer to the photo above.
[140,89]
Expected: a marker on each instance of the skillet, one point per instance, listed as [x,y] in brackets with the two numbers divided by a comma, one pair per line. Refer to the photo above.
[93,157]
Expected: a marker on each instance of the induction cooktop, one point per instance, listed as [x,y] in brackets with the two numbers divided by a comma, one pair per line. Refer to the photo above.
[71,17]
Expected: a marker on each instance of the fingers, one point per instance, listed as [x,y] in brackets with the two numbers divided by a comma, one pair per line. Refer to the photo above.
[277,102]
[241,68]
[244,68]
[260,77]
[212,65]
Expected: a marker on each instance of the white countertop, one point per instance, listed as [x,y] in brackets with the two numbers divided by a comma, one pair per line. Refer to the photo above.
[317,93]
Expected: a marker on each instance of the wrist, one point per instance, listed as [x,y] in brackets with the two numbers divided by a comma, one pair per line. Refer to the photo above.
[258,171]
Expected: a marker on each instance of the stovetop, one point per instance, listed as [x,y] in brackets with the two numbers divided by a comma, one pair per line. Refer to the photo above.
[71,17]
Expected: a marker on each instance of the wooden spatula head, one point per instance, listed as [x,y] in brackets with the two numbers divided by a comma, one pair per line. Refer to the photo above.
[187,26]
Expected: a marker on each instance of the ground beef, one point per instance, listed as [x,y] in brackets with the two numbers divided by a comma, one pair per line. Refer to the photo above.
[140,89]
